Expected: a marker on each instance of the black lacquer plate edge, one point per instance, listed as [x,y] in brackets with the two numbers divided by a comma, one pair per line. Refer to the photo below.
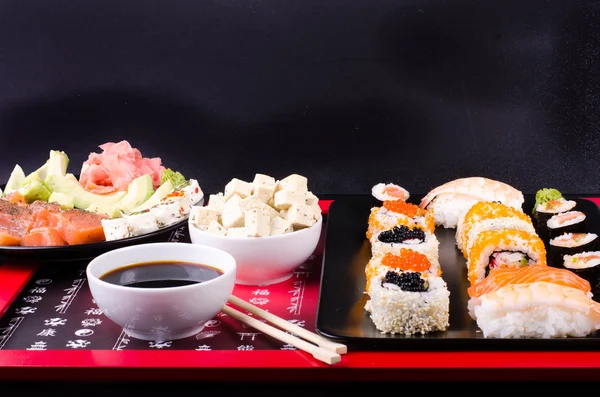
[435,341]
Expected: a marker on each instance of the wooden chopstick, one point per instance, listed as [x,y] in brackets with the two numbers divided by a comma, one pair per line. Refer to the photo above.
[317,352]
[286,325]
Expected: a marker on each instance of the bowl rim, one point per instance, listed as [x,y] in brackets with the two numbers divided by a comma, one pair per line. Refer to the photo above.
[246,238]
[151,291]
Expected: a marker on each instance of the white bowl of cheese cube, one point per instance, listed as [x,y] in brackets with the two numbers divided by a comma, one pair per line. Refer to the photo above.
[270,227]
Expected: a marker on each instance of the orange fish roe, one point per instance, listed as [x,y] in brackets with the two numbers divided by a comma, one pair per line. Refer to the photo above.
[407,260]
[404,208]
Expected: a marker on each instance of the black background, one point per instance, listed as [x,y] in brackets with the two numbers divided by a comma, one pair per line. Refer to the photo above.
[346,92]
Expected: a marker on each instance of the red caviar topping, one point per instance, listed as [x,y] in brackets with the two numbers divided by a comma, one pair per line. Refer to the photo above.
[407,260]
[404,208]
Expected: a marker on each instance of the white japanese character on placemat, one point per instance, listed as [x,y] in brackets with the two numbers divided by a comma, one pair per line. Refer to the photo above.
[299,323]
[26,310]
[38,346]
[248,335]
[32,298]
[207,334]
[91,322]
[160,345]
[203,348]
[94,312]
[38,290]
[78,343]
[84,332]
[47,332]
[287,346]
[245,347]
[259,301]
[260,292]
[212,323]
[53,322]
[43,281]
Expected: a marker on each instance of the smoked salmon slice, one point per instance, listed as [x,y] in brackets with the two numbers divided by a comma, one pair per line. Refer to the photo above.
[43,237]
[7,238]
[498,278]
[78,226]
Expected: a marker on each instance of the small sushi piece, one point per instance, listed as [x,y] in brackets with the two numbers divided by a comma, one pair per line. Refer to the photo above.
[405,297]
[452,200]
[397,213]
[587,266]
[566,222]
[389,192]
[400,237]
[503,248]
[571,244]
[544,211]
[535,310]
[487,215]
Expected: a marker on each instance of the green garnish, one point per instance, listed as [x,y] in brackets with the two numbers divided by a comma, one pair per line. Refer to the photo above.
[176,178]
[546,194]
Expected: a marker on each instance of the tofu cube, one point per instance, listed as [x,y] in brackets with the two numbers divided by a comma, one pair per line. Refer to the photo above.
[258,222]
[254,202]
[263,180]
[300,216]
[294,182]
[316,211]
[236,232]
[233,215]
[239,187]
[203,216]
[310,199]
[264,193]
[216,201]
[215,228]
[280,226]
[285,198]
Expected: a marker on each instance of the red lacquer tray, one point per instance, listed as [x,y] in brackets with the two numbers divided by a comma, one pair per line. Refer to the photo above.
[278,365]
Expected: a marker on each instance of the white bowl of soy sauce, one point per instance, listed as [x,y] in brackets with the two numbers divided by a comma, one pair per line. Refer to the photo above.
[162,291]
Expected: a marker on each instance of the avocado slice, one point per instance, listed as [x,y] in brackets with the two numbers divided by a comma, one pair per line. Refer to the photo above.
[38,175]
[160,193]
[14,181]
[35,190]
[69,185]
[65,201]
[138,192]
[57,163]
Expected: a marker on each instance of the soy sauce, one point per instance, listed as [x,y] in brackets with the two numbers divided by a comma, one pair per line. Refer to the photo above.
[161,274]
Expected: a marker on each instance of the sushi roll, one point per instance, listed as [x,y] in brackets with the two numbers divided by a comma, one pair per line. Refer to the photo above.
[452,200]
[397,213]
[587,266]
[544,211]
[533,302]
[400,237]
[566,222]
[405,296]
[571,244]
[389,192]
[503,248]
[486,215]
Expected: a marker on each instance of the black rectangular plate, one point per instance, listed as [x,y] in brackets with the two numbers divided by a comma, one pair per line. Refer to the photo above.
[341,313]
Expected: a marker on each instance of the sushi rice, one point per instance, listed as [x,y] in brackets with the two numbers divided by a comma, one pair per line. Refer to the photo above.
[429,247]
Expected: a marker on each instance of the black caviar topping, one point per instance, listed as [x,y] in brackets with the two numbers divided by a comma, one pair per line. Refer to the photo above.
[399,234]
[407,281]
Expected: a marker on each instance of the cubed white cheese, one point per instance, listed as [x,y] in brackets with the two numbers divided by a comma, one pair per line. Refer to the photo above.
[264,193]
[253,202]
[215,228]
[233,215]
[283,214]
[115,229]
[280,226]
[193,191]
[311,199]
[216,201]
[294,182]
[236,232]
[300,216]
[239,187]
[257,222]
[142,223]
[203,215]
[285,198]
[316,211]
[263,180]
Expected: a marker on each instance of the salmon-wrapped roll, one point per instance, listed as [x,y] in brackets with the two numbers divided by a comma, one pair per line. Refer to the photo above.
[504,248]
[399,213]
[488,215]
[406,295]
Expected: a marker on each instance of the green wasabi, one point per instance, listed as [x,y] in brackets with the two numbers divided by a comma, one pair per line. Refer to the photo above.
[546,194]
[176,178]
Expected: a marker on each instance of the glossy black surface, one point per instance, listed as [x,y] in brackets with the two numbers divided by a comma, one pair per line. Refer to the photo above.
[341,313]
[346,92]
